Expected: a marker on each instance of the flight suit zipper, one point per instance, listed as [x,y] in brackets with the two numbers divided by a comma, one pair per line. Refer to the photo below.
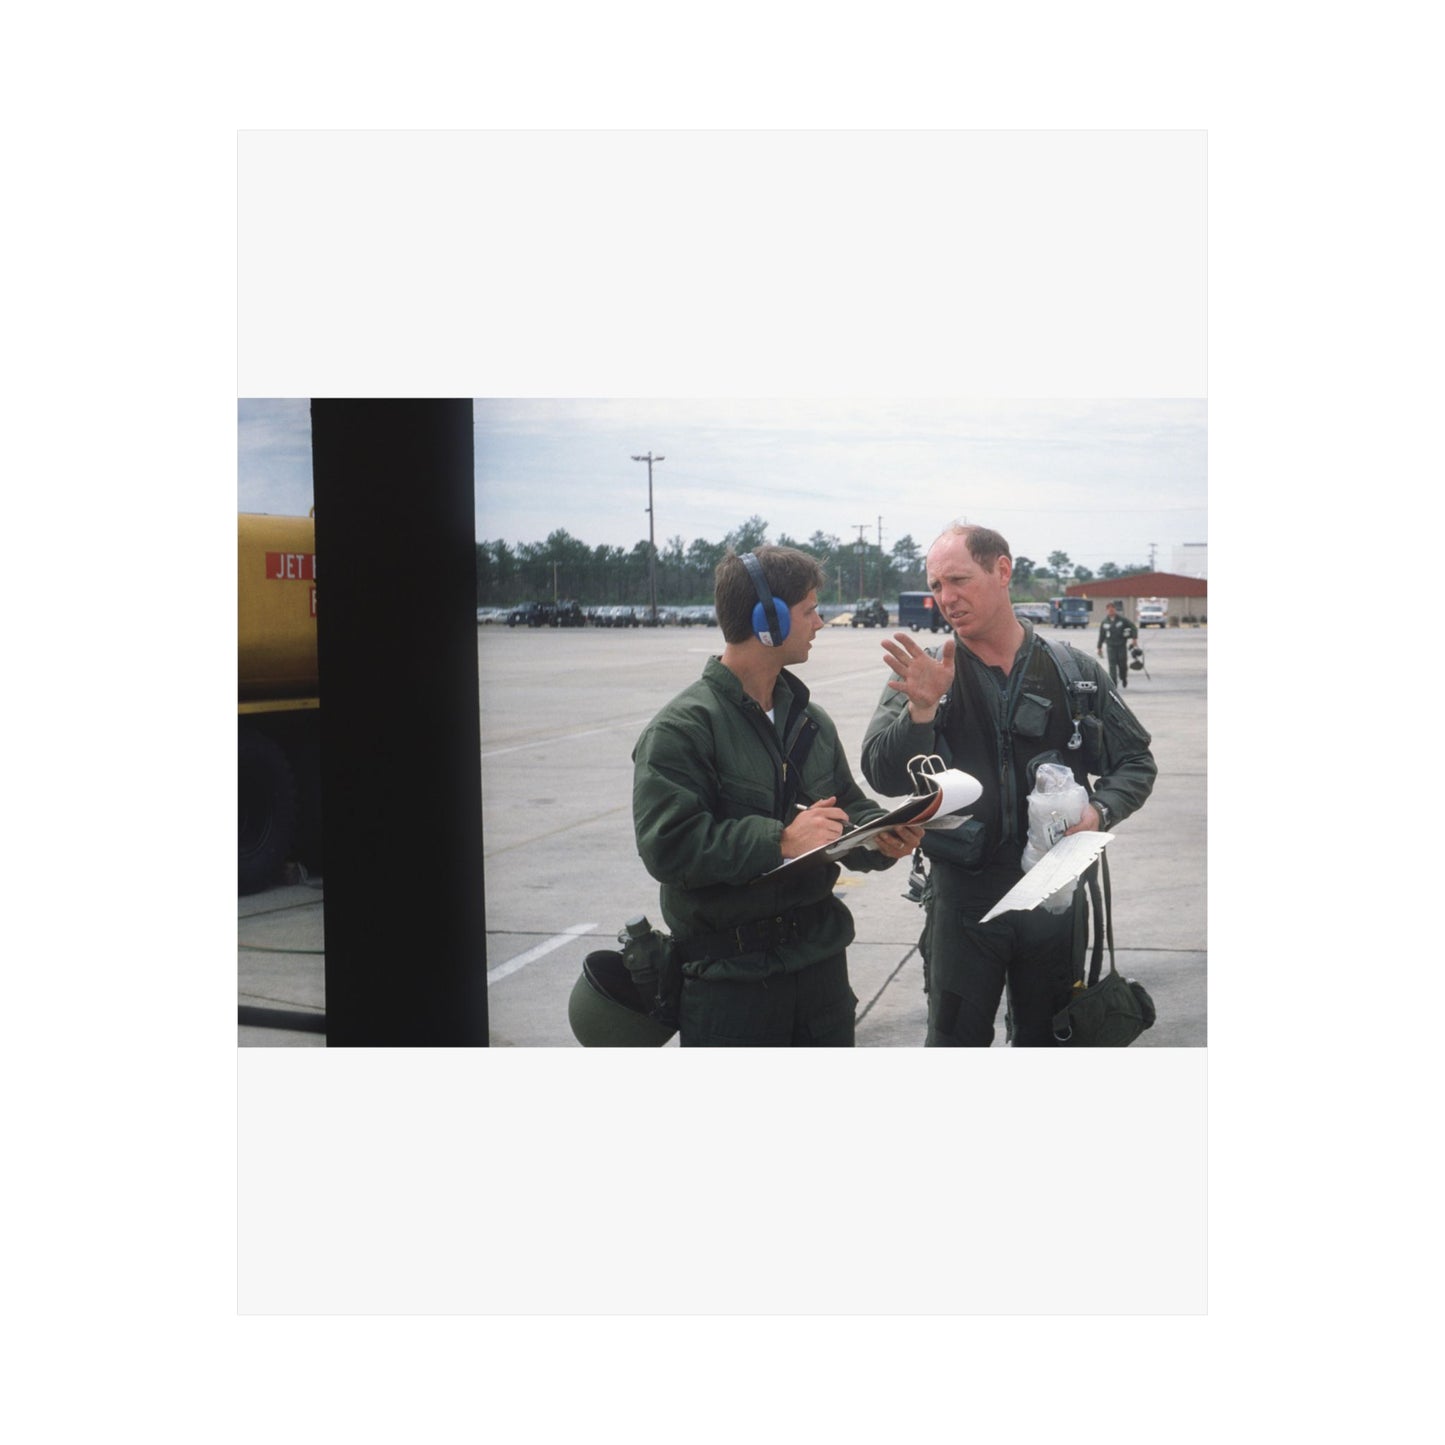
[780,755]
[1008,783]
[1003,703]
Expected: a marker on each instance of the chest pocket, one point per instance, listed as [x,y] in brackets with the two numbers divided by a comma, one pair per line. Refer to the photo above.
[742,797]
[818,776]
[1031,716]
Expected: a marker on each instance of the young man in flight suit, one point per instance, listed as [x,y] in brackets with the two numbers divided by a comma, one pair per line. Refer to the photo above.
[992,702]
[737,774]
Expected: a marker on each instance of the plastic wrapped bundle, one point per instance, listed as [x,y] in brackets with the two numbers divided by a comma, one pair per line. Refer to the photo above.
[1055,805]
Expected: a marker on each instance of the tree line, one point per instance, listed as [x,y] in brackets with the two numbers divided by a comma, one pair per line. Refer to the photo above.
[564,566]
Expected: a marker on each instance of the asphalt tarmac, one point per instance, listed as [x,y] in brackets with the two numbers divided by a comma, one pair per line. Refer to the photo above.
[560,711]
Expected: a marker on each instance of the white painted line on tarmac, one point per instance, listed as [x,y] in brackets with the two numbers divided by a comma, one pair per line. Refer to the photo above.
[533,954]
[552,742]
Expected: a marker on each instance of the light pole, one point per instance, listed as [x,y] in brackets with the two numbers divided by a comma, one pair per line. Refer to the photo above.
[861,547]
[651,543]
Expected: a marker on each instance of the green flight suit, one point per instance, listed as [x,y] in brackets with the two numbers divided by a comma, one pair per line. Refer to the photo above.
[763,958]
[999,727]
[1115,635]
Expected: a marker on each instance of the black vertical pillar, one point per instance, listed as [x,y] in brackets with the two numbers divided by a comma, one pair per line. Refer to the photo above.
[406,959]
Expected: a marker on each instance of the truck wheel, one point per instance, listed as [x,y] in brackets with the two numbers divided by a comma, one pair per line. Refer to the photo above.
[267,809]
[306,768]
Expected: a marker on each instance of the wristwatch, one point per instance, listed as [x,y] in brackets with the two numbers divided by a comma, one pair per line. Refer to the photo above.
[1102,809]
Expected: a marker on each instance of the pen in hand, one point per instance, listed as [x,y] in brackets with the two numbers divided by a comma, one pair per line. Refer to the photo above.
[813,826]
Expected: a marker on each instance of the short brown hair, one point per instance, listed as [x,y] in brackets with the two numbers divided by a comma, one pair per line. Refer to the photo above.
[790,576]
[985,545]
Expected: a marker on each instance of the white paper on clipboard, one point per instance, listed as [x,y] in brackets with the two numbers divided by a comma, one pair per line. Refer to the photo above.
[952,791]
[949,791]
[1061,865]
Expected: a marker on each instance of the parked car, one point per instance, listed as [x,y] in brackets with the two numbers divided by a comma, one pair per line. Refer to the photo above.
[869,612]
[527,614]
[1033,611]
[699,616]
[1153,614]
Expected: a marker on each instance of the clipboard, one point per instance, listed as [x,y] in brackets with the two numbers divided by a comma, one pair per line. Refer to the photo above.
[940,794]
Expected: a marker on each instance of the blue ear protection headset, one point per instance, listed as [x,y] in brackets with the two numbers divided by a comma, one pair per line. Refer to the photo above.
[770,622]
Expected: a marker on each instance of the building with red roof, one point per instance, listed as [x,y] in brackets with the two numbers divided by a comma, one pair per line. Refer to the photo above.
[1184,597]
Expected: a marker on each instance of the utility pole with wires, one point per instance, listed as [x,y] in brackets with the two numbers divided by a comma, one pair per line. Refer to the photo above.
[651,541]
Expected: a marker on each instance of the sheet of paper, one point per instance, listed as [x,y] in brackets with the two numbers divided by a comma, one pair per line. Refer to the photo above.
[1063,863]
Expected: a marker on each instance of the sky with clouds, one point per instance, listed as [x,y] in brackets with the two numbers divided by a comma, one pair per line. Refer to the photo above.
[1100,479]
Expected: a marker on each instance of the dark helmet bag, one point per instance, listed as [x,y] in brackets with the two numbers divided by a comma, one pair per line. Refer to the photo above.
[1110,1014]
[1112,1011]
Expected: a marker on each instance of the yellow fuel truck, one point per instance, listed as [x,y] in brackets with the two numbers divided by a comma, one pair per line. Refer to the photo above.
[279,715]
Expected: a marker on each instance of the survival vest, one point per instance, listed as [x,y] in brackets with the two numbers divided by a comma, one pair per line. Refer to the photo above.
[1047,714]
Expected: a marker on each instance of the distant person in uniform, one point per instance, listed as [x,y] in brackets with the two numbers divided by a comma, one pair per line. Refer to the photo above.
[739,773]
[1116,632]
[991,701]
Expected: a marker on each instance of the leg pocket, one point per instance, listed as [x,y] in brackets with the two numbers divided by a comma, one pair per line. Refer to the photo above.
[827,1006]
[1041,977]
[966,975]
[729,1013]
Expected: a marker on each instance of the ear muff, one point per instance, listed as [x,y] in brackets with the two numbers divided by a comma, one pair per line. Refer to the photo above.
[770,622]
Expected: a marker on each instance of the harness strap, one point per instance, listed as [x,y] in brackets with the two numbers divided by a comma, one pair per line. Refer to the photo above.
[1081,692]
[1096,875]
[805,733]
[1098,870]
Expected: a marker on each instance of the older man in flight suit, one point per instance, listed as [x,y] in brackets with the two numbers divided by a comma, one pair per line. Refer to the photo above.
[993,701]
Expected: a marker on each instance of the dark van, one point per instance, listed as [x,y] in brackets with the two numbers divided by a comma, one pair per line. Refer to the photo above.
[1072,611]
[919,609]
